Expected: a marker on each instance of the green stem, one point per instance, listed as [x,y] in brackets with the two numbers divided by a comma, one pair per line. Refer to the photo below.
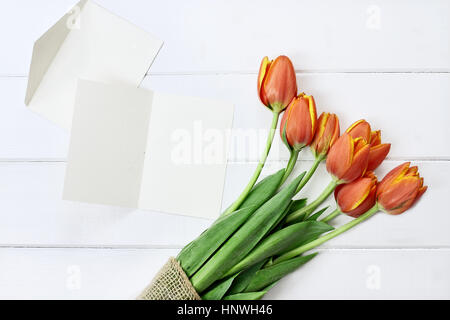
[291,164]
[311,245]
[261,163]
[309,173]
[313,205]
[332,215]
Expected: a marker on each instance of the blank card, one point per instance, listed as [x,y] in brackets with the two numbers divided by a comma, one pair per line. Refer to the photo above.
[138,148]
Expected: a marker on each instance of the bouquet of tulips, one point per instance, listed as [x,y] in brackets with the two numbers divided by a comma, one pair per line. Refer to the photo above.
[267,233]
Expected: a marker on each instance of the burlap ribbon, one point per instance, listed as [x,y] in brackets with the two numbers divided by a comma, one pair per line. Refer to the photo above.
[171,283]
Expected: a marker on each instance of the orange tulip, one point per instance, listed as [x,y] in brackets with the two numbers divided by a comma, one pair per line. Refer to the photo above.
[357,197]
[378,150]
[348,158]
[299,122]
[326,134]
[400,189]
[277,84]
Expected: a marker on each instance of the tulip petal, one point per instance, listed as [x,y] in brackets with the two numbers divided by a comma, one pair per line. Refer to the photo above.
[318,143]
[358,166]
[313,116]
[359,144]
[265,65]
[393,175]
[360,129]
[340,157]
[400,195]
[412,171]
[420,193]
[368,203]
[377,155]
[350,196]
[337,129]
[375,138]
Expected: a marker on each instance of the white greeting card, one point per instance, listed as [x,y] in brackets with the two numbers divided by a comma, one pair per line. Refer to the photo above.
[138,148]
[89,42]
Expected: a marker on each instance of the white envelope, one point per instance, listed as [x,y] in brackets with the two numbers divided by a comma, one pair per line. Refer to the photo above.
[88,42]
[137,148]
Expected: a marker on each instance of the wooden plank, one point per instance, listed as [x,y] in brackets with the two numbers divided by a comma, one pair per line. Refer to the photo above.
[372,274]
[386,61]
[33,213]
[390,102]
[122,274]
[229,36]
[393,103]
[23,133]
[78,273]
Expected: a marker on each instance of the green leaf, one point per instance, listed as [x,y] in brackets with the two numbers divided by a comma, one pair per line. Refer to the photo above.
[316,215]
[267,276]
[245,239]
[278,224]
[243,279]
[313,230]
[196,253]
[281,241]
[270,286]
[263,190]
[297,204]
[219,290]
[246,296]
[293,206]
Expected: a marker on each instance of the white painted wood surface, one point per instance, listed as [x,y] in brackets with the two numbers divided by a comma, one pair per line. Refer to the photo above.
[386,61]
[121,274]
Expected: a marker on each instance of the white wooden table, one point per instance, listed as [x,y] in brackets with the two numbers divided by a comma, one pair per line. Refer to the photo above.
[385,61]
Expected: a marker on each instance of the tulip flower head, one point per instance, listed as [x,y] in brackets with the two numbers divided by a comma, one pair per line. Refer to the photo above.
[400,189]
[348,158]
[277,84]
[326,134]
[299,122]
[378,150]
[357,197]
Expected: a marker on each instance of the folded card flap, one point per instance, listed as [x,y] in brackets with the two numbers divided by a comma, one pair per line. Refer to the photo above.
[186,155]
[100,47]
[47,46]
[117,50]
[107,144]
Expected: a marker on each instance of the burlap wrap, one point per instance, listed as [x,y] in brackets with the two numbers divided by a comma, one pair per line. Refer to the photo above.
[171,283]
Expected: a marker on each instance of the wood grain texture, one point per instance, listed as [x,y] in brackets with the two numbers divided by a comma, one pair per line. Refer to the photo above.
[404,106]
[33,213]
[386,61]
[231,36]
[122,274]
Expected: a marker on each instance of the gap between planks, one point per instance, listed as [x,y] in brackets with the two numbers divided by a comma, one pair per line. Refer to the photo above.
[232,162]
[173,247]
[252,72]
